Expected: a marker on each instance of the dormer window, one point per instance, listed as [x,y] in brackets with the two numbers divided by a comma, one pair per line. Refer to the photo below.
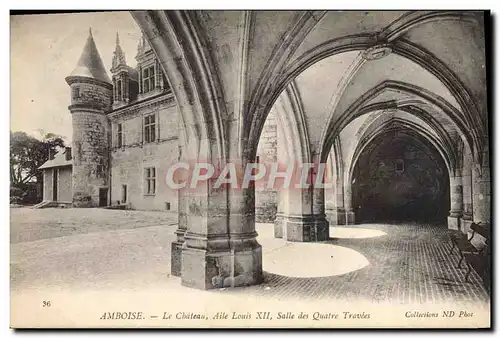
[148,79]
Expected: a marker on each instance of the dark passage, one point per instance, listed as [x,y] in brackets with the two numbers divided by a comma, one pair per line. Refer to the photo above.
[401,177]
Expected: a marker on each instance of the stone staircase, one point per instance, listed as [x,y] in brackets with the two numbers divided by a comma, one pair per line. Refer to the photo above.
[52,204]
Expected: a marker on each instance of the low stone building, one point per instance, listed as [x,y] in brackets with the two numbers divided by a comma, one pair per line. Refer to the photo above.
[57,181]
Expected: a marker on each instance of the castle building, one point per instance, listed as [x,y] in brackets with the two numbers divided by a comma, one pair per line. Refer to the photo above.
[124,134]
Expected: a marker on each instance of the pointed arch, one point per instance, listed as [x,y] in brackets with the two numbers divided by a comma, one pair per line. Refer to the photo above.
[356,110]
[401,124]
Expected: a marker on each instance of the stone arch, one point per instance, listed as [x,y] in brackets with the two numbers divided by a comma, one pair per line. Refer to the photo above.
[369,135]
[392,38]
[379,125]
[293,204]
[292,115]
[358,108]
[420,142]
[421,98]
[215,236]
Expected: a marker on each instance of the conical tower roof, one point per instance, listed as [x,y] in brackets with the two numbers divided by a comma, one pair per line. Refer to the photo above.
[90,63]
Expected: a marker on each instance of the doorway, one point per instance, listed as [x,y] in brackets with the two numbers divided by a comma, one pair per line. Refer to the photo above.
[124,193]
[103,197]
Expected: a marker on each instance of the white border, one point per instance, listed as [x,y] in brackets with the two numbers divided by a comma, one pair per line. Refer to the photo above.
[189,4]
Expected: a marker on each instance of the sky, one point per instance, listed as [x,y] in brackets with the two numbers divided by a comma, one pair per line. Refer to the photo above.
[44,50]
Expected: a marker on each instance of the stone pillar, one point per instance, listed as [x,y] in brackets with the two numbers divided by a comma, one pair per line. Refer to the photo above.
[303,218]
[266,203]
[305,227]
[279,221]
[220,247]
[349,213]
[331,193]
[321,225]
[336,212]
[176,249]
[182,212]
[456,199]
[466,219]
[481,192]
[330,206]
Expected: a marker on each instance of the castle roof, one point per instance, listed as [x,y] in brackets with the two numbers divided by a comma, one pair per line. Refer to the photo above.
[90,63]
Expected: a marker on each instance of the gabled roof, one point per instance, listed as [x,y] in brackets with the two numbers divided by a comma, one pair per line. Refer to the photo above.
[59,160]
[90,63]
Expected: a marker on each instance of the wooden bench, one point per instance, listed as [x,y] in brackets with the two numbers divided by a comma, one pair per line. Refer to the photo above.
[479,259]
[455,237]
[461,241]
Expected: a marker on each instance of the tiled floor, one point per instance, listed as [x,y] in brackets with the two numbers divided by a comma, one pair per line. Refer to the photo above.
[402,263]
[406,263]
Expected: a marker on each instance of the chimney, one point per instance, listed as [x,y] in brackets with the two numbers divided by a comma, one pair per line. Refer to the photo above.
[52,153]
[68,153]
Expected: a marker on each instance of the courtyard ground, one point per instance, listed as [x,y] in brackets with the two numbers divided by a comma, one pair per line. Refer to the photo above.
[66,253]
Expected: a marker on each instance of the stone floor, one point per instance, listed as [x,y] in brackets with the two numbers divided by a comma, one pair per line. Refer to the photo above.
[97,249]
[404,263]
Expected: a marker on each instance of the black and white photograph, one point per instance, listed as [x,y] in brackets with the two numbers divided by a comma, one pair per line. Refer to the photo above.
[250,169]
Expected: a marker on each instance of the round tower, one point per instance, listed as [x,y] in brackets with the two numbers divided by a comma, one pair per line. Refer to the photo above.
[91,98]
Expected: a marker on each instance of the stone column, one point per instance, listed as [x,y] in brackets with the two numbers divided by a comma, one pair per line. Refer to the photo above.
[331,193]
[266,198]
[340,208]
[176,249]
[349,213]
[182,212]
[331,206]
[456,199]
[303,219]
[279,221]
[466,219]
[220,247]
[481,193]
[481,185]
[321,225]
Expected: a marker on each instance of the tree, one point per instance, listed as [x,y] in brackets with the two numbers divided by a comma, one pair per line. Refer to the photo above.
[27,154]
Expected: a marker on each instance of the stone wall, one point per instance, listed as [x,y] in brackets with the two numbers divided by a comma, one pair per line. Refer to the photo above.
[65,184]
[90,101]
[90,94]
[47,184]
[129,162]
[266,200]
[418,191]
[90,157]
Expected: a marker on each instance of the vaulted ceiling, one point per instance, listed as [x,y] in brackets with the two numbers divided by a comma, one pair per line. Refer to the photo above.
[340,64]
